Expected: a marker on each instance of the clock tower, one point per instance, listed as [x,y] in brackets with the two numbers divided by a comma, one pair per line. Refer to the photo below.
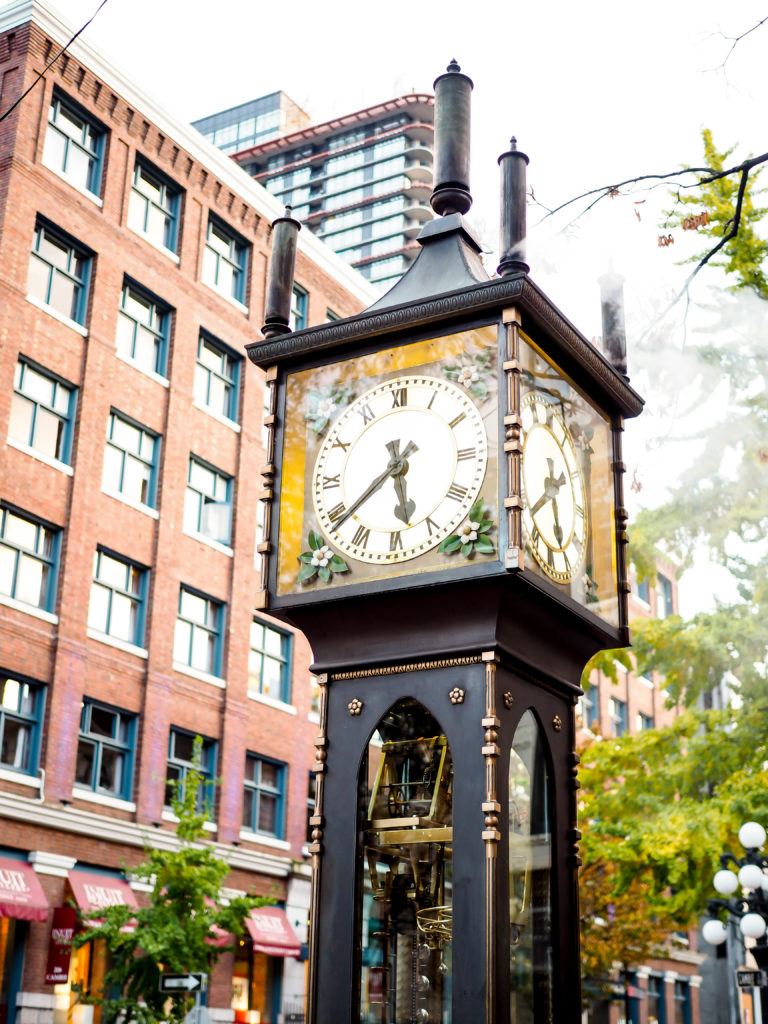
[445,522]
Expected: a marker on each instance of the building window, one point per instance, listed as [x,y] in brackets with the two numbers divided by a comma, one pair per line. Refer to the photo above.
[118,595]
[263,796]
[21,712]
[153,210]
[657,1010]
[217,374]
[130,461]
[298,318]
[208,502]
[269,662]
[105,750]
[58,273]
[74,145]
[643,721]
[42,411]
[589,707]
[182,760]
[142,329]
[225,259]
[28,556]
[311,791]
[642,591]
[199,626]
[682,1002]
[617,713]
[664,605]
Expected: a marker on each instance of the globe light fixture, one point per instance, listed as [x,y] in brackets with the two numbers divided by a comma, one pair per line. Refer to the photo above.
[752,835]
[752,926]
[714,932]
[751,876]
[726,882]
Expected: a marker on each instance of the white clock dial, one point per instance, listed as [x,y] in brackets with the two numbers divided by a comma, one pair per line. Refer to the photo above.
[555,515]
[400,469]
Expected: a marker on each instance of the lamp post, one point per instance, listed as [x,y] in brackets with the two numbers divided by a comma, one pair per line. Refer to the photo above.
[750,909]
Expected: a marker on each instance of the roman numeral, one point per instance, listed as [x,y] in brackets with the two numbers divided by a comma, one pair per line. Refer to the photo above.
[457,492]
[367,413]
[399,398]
[331,481]
[396,541]
[551,558]
[455,422]
[535,537]
[567,566]
[337,512]
[466,453]
[431,524]
[361,536]
[579,511]
[338,443]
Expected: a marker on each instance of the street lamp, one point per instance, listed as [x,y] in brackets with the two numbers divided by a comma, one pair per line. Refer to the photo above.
[750,908]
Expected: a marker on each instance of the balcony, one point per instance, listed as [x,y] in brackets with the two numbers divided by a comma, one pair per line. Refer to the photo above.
[419,170]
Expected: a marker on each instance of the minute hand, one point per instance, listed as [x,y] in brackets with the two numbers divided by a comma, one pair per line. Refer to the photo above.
[394,464]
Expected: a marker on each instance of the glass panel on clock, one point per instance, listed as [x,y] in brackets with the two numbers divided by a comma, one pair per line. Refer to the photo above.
[405,921]
[567,484]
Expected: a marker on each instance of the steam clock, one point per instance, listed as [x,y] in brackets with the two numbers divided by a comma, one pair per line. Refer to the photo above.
[444,521]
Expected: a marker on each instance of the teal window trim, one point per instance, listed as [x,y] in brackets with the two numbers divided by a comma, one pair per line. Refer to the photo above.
[99,753]
[682,997]
[145,456]
[160,196]
[155,324]
[299,304]
[193,629]
[18,558]
[74,271]
[657,994]
[270,647]
[180,745]
[129,593]
[60,408]
[226,254]
[22,707]
[217,376]
[261,795]
[208,488]
[90,144]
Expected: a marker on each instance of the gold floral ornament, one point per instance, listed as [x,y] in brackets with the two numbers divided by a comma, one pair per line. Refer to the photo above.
[557,722]
[509,700]
[457,695]
[472,536]
[319,561]
[355,706]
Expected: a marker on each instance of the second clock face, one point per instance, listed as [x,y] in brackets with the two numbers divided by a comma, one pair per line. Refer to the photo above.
[400,469]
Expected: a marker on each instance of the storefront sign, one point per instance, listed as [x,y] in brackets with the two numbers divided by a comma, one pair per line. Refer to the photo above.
[94,893]
[748,978]
[271,932]
[60,945]
[21,895]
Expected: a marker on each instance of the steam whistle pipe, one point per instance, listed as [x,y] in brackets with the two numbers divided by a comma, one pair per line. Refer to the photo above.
[614,330]
[282,265]
[453,92]
[512,234]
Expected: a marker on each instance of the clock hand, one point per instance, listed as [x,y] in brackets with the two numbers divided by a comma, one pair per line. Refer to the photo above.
[396,466]
[557,529]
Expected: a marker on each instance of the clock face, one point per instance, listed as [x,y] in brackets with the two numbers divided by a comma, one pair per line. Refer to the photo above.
[400,469]
[389,465]
[556,514]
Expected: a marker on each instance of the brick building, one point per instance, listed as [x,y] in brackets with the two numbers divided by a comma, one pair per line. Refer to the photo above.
[663,991]
[132,269]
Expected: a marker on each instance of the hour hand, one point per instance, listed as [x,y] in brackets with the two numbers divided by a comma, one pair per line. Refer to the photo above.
[404,508]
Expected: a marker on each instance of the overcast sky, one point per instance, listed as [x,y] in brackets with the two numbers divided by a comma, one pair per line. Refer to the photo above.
[595,92]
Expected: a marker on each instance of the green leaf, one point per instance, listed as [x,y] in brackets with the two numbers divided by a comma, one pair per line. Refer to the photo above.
[320,425]
[450,544]
[324,572]
[305,556]
[338,564]
[483,545]
[315,540]
[485,526]
[466,549]
[479,391]
[476,512]
[306,572]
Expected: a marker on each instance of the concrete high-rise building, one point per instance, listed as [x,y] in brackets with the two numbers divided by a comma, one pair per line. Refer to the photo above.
[253,123]
[132,267]
[360,182]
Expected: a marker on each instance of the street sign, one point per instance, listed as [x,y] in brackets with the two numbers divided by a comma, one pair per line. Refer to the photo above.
[184,983]
[748,978]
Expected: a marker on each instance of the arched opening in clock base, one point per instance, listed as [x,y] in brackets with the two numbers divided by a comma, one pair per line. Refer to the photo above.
[405,911]
[530,875]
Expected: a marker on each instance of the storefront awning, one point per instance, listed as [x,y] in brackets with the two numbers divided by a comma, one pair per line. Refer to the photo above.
[21,895]
[271,932]
[94,893]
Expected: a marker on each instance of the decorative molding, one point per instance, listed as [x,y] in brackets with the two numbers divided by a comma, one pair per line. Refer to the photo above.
[514,559]
[457,695]
[316,822]
[491,835]
[414,666]
[46,863]
[355,706]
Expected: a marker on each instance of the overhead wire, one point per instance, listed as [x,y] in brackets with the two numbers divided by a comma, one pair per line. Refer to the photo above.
[51,62]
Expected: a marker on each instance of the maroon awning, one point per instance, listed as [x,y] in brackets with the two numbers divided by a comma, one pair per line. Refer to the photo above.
[94,892]
[271,932]
[21,894]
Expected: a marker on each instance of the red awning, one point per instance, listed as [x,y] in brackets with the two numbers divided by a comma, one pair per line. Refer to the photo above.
[271,932]
[21,894]
[94,892]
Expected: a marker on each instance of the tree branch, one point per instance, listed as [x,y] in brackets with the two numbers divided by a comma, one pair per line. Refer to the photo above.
[735,40]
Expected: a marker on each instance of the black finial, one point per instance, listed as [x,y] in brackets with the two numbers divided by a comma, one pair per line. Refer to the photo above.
[452,116]
[614,330]
[512,235]
[277,308]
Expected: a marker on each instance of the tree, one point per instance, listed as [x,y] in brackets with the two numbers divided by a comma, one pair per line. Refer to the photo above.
[180,930]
